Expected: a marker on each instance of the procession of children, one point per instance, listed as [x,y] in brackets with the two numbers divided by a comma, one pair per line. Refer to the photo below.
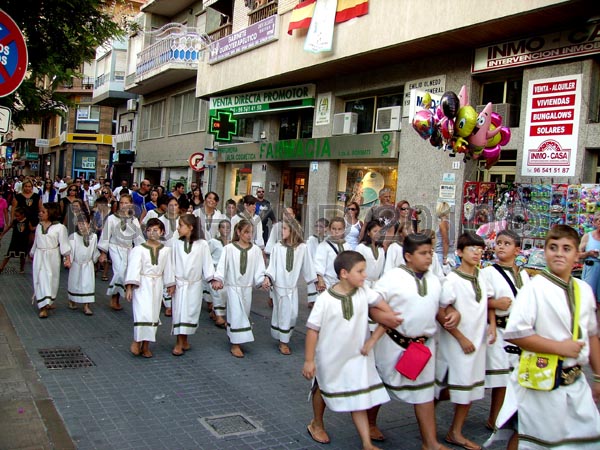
[385,322]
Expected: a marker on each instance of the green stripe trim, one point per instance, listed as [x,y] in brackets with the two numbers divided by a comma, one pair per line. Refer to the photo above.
[238,330]
[206,292]
[352,393]
[116,284]
[184,324]
[497,372]
[417,387]
[582,440]
[458,387]
[312,294]
[220,308]
[74,294]
[280,330]
[145,324]
[46,298]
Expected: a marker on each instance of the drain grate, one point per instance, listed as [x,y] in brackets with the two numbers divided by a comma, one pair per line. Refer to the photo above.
[230,425]
[65,358]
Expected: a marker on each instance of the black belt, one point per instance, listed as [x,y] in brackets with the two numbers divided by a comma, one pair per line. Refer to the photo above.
[501,321]
[402,340]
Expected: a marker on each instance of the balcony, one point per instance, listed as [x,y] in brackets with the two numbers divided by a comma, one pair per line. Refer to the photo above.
[222,31]
[109,89]
[77,85]
[167,61]
[262,12]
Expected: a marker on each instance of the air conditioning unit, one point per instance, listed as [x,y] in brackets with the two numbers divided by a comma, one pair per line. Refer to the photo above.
[506,110]
[132,104]
[345,123]
[389,119]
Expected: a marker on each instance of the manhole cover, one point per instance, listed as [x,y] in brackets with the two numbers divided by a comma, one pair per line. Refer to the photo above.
[65,358]
[230,425]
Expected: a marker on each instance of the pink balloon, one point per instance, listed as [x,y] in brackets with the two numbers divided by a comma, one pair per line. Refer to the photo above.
[423,123]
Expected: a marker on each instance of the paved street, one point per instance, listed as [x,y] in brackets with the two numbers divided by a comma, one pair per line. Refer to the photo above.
[126,402]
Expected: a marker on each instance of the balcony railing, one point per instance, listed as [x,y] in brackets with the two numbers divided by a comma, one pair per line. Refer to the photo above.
[262,12]
[105,77]
[78,84]
[222,31]
[183,49]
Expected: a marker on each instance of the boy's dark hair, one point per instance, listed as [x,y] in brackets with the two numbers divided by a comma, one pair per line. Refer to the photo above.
[214,194]
[249,200]
[154,222]
[162,200]
[102,200]
[337,219]
[183,202]
[562,231]
[178,185]
[469,238]
[323,221]
[231,202]
[346,260]
[20,210]
[53,209]
[511,235]
[194,223]
[412,242]
[368,227]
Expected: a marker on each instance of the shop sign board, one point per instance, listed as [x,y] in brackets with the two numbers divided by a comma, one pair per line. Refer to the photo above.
[42,142]
[210,158]
[324,102]
[88,162]
[571,43]
[435,85]
[13,55]
[255,35]
[416,102]
[552,126]
[367,146]
[31,156]
[447,191]
[5,114]
[269,100]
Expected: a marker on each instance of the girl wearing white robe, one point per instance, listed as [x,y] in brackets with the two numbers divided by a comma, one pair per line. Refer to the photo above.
[288,263]
[374,254]
[192,264]
[82,275]
[327,251]
[393,257]
[170,220]
[240,268]
[217,297]
[312,243]
[51,241]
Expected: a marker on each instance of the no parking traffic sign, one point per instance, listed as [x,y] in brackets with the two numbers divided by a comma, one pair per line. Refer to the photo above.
[197,162]
[13,55]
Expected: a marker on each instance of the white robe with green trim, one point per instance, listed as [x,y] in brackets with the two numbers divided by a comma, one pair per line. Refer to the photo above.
[81,287]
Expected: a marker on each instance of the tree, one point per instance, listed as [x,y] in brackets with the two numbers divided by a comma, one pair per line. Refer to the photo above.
[60,35]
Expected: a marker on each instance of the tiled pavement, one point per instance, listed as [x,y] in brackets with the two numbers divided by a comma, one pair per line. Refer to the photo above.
[124,402]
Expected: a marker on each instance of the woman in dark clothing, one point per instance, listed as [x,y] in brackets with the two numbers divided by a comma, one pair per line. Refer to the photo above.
[29,200]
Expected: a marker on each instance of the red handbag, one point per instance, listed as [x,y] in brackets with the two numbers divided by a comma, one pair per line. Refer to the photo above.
[413,360]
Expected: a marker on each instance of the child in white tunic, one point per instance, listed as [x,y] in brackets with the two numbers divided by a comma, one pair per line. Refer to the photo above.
[240,268]
[249,214]
[170,220]
[51,241]
[344,379]
[82,275]
[460,364]
[541,321]
[373,252]
[393,257]
[312,243]
[289,261]
[121,231]
[150,268]
[218,298]
[415,292]
[159,211]
[505,279]
[192,265]
[327,251]
[209,216]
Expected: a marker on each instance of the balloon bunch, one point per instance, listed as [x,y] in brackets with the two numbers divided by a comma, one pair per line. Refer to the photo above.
[455,125]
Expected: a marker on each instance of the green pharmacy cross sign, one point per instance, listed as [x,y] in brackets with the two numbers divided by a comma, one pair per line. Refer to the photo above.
[223,125]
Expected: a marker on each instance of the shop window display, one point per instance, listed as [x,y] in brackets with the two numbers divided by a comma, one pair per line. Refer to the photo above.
[361,184]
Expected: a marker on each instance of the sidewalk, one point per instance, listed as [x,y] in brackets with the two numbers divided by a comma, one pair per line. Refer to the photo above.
[205,399]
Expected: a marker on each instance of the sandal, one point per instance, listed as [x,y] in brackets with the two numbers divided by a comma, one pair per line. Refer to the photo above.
[466,444]
[237,351]
[375,434]
[43,313]
[284,349]
[317,434]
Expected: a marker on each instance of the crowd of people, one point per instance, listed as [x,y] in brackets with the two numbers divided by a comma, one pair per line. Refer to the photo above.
[389,318]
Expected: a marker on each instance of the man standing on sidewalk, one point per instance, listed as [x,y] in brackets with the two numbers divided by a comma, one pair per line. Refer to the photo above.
[264,211]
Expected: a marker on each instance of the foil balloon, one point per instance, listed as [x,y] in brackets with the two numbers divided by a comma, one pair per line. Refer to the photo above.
[423,123]
[465,122]
[494,145]
[447,128]
[482,132]
[450,104]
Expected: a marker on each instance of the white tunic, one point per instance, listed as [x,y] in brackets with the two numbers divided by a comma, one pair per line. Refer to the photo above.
[399,289]
[499,363]
[217,298]
[463,374]
[285,276]
[209,224]
[46,250]
[374,265]
[192,265]
[394,257]
[118,242]
[82,274]
[567,417]
[274,237]
[324,261]
[170,227]
[257,232]
[149,275]
[152,214]
[312,243]
[348,380]
[238,288]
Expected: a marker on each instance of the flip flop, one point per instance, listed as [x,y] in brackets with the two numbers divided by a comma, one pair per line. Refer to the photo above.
[375,434]
[466,444]
[284,349]
[319,436]
[174,353]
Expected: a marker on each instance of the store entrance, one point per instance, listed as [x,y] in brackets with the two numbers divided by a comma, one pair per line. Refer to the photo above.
[294,182]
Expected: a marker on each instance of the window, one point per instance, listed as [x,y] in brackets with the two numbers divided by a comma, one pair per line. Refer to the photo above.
[504,92]
[87,119]
[296,124]
[152,120]
[187,114]
[365,108]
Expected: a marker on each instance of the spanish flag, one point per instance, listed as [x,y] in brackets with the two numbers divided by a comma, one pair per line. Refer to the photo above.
[301,15]
[349,9]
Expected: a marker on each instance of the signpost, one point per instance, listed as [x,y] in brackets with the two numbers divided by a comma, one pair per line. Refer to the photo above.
[13,55]
[197,162]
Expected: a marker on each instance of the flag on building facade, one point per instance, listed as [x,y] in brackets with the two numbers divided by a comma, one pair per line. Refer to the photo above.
[349,9]
[302,15]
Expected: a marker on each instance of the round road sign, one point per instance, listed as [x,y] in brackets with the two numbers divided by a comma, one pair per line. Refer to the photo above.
[13,55]
[197,162]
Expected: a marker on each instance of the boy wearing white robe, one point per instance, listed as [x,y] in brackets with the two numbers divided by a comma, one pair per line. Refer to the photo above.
[542,321]
[150,269]
[460,361]
[393,257]
[216,297]
[327,251]
[343,372]
[312,243]
[121,231]
[82,274]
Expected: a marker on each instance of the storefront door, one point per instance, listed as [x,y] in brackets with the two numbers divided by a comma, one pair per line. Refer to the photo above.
[295,188]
